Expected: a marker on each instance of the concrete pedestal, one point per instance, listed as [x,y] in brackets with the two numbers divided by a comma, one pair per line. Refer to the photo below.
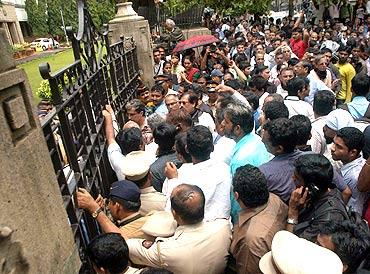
[128,23]
[35,236]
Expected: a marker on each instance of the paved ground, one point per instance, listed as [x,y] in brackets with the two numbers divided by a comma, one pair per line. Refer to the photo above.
[38,55]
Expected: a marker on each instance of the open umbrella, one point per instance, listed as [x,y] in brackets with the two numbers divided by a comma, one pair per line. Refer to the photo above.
[195,41]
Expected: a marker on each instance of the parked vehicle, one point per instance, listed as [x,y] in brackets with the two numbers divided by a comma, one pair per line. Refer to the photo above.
[44,43]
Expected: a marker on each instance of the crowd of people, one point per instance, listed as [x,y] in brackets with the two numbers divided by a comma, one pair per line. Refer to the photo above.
[250,155]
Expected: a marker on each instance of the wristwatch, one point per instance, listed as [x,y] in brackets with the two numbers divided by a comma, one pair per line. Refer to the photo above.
[95,214]
[292,221]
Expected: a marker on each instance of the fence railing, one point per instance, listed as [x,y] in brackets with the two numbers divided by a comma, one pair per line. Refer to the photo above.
[101,74]
[186,19]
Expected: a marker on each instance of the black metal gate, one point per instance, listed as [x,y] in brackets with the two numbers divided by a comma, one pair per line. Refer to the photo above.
[101,74]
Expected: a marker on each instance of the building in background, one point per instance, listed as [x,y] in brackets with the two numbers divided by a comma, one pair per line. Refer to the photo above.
[12,12]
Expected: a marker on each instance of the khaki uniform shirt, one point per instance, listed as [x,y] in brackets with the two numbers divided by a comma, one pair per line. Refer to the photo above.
[194,249]
[254,231]
[151,200]
[132,270]
[131,226]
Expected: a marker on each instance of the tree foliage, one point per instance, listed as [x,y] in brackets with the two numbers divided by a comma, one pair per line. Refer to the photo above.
[45,17]
[235,7]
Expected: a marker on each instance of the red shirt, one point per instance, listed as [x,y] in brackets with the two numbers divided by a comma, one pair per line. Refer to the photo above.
[298,47]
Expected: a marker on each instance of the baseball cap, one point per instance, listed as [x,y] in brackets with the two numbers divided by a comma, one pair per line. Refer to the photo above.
[216,73]
[125,190]
[135,166]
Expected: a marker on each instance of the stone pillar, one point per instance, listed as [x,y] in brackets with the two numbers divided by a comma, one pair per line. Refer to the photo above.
[128,23]
[35,236]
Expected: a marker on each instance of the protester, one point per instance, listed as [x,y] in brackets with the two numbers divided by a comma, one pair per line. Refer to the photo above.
[263,214]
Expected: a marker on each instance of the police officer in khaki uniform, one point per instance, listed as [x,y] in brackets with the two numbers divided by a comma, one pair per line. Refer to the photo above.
[136,167]
[123,203]
[197,247]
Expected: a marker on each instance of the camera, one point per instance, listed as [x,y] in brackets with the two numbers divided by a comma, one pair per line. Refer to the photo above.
[213,48]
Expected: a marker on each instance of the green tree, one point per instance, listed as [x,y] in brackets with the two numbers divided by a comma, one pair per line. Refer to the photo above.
[45,16]
[235,7]
[37,16]
[102,11]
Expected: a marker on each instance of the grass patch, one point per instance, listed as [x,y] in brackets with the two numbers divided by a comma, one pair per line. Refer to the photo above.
[56,62]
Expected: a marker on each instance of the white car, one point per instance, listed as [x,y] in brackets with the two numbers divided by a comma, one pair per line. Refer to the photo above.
[44,43]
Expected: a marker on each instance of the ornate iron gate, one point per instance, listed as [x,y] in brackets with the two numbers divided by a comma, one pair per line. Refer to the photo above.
[101,74]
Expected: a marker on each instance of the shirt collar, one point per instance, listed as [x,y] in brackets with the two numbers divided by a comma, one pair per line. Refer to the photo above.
[247,214]
[132,216]
[357,162]
[146,190]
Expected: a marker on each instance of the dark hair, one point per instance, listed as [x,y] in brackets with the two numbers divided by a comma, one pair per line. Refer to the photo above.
[244,64]
[137,105]
[109,251]
[199,142]
[252,99]
[325,50]
[282,132]
[293,61]
[190,214]
[344,48]
[323,102]
[127,205]
[275,109]
[351,243]
[164,136]
[251,185]
[315,169]
[234,83]
[240,115]
[297,29]
[296,84]
[180,146]
[155,270]
[259,69]
[352,137]
[189,58]
[361,84]
[192,97]
[129,139]
[303,126]
[158,87]
[259,83]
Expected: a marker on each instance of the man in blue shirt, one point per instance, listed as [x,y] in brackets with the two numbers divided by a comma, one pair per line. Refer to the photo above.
[279,137]
[249,149]
[359,106]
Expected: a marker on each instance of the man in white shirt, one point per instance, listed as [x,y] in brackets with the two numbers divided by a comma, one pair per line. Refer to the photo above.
[132,140]
[224,146]
[212,176]
[298,89]
[323,104]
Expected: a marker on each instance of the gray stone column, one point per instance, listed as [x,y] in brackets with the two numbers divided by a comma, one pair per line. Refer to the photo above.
[128,23]
[35,236]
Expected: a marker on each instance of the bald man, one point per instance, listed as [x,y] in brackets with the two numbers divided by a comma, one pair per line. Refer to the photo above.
[197,247]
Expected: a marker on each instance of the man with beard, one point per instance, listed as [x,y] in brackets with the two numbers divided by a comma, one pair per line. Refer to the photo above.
[238,124]
[347,72]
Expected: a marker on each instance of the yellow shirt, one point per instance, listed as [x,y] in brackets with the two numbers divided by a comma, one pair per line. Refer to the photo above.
[347,72]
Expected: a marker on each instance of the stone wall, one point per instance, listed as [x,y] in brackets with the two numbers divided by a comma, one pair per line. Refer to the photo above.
[35,236]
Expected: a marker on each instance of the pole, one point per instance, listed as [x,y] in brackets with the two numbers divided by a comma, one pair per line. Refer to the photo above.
[64,27]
